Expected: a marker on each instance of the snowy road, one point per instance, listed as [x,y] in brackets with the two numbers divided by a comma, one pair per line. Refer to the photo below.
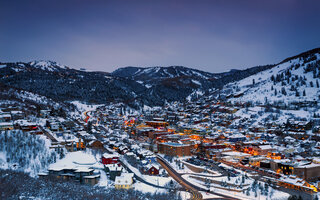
[195,190]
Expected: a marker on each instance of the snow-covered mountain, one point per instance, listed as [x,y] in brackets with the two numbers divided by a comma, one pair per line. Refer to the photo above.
[295,79]
[131,85]
[35,65]
[150,73]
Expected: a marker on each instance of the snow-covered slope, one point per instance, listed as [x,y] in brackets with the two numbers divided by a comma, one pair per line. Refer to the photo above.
[44,65]
[296,79]
[139,73]
[25,152]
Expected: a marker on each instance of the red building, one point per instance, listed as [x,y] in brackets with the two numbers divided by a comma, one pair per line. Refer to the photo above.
[151,170]
[109,159]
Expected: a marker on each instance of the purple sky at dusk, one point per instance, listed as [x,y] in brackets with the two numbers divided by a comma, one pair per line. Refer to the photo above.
[211,35]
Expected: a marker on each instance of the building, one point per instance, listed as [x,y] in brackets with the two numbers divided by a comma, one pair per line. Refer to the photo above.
[156,134]
[156,124]
[308,172]
[174,149]
[5,117]
[275,155]
[124,181]
[107,159]
[95,144]
[234,155]
[17,114]
[261,150]
[237,138]
[80,173]
[295,183]
[151,169]
[83,175]
[54,126]
[6,126]
[114,171]
[45,113]
[91,180]
[75,146]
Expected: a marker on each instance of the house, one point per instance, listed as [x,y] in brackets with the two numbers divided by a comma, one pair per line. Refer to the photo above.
[6,126]
[54,126]
[80,145]
[91,180]
[75,146]
[25,125]
[45,113]
[80,173]
[151,169]
[124,181]
[55,171]
[71,146]
[17,114]
[95,144]
[5,117]
[237,138]
[114,171]
[107,159]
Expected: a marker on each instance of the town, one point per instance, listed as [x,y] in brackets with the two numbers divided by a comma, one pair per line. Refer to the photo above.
[201,149]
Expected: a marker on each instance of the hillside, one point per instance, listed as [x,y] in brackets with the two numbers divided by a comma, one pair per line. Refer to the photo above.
[25,152]
[133,86]
[63,84]
[293,80]
[153,73]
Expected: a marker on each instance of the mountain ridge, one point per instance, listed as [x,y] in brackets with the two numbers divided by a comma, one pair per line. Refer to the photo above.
[135,86]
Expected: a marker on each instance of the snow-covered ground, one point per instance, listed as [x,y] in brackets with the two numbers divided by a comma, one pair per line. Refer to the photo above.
[82,107]
[25,152]
[147,188]
[78,159]
[272,193]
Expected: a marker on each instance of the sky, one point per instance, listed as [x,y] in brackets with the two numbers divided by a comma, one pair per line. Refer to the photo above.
[210,35]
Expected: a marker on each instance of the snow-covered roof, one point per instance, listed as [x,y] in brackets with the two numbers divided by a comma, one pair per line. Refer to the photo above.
[84,169]
[5,115]
[235,153]
[6,124]
[106,155]
[265,147]
[124,179]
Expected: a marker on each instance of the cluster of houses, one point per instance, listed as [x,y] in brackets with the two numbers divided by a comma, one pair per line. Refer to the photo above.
[206,129]
[213,131]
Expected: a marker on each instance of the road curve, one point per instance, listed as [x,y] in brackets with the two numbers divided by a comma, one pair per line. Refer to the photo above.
[195,190]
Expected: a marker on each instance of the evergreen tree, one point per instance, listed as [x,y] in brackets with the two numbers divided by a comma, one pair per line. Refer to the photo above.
[272,78]
[311,84]
[283,91]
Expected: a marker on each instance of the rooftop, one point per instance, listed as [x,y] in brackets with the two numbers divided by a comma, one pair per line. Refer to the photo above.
[174,144]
